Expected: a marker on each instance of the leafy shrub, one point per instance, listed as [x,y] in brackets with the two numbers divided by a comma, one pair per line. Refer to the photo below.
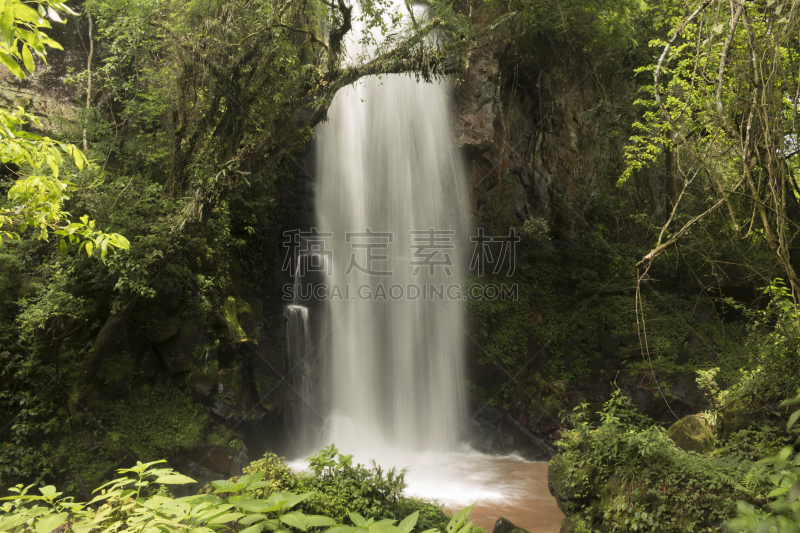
[627,475]
[337,488]
[139,503]
[783,515]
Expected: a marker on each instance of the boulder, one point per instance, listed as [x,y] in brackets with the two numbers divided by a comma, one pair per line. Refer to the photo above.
[505,526]
[677,395]
[692,433]
[732,420]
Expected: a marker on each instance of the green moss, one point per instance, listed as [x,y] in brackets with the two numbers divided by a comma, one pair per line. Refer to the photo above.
[151,422]
[692,433]
[267,387]
[229,309]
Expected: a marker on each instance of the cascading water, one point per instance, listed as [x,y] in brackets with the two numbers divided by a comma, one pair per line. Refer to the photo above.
[391,185]
[387,164]
[300,397]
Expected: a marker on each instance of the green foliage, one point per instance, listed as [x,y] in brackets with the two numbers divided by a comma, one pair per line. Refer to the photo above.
[21,456]
[36,201]
[627,475]
[342,487]
[338,488]
[783,514]
[753,443]
[125,506]
[770,374]
[20,29]
[136,502]
[153,421]
[594,23]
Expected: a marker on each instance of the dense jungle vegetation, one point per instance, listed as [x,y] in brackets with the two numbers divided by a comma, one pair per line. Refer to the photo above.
[653,145]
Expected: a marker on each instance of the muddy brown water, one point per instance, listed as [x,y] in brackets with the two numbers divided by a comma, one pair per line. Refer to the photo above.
[506,486]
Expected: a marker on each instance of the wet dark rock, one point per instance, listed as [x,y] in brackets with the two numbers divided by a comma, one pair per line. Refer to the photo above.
[149,365]
[611,343]
[164,330]
[504,525]
[224,460]
[224,405]
[704,314]
[495,433]
[677,396]
[176,352]
[697,345]
[200,388]
[732,420]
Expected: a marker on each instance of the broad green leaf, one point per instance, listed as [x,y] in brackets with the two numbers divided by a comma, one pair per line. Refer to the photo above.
[272,525]
[260,506]
[44,39]
[792,419]
[316,520]
[171,479]
[83,527]
[252,519]
[27,58]
[12,65]
[14,521]
[384,528]
[794,491]
[53,15]
[77,156]
[256,528]
[28,14]
[358,520]
[7,26]
[223,485]
[225,518]
[294,500]
[48,523]
[409,522]
[466,528]
[213,513]
[341,529]
[458,519]
[295,519]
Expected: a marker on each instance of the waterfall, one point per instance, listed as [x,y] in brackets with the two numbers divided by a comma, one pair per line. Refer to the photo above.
[393,368]
[301,397]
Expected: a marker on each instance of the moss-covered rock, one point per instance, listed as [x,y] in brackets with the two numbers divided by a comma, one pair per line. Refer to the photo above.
[692,433]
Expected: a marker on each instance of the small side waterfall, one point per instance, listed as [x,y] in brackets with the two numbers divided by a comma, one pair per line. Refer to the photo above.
[392,186]
[301,397]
